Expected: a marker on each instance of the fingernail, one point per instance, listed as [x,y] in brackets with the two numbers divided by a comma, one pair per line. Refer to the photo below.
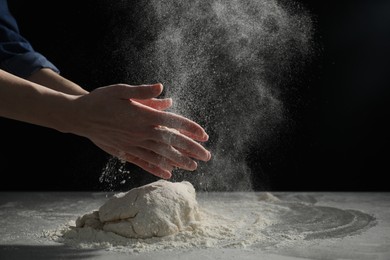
[166,175]
[193,166]
[158,84]
[209,156]
[203,135]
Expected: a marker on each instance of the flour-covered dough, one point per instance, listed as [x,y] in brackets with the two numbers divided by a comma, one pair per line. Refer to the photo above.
[157,209]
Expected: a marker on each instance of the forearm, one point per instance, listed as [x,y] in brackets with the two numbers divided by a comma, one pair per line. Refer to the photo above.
[50,79]
[26,101]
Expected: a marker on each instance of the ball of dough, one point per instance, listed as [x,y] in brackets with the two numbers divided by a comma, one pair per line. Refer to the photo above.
[157,209]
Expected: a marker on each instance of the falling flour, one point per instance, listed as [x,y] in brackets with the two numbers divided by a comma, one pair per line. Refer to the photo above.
[235,67]
[157,209]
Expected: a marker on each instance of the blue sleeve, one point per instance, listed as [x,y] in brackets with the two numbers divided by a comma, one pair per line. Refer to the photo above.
[16,54]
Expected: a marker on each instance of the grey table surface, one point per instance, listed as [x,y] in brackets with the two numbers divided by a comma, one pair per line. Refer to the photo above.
[316,225]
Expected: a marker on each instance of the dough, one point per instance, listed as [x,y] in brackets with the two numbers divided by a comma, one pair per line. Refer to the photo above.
[158,209]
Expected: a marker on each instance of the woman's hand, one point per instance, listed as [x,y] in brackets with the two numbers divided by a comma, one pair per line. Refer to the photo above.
[130,123]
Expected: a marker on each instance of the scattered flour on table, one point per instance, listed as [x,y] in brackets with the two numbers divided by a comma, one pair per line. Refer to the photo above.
[170,216]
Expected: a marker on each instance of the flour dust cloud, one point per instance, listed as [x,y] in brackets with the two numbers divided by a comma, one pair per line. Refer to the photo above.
[222,62]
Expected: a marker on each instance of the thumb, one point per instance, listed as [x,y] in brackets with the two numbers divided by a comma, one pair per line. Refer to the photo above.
[139,91]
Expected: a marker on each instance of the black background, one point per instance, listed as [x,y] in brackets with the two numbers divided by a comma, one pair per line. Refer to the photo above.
[339,105]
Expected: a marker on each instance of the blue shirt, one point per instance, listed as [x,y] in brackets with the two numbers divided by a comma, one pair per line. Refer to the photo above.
[17,56]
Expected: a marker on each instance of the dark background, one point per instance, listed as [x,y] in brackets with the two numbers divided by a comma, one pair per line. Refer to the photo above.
[339,106]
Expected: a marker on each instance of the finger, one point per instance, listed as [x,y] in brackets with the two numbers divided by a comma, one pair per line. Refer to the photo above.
[174,121]
[189,154]
[182,124]
[151,157]
[124,91]
[173,155]
[153,169]
[159,104]
[182,142]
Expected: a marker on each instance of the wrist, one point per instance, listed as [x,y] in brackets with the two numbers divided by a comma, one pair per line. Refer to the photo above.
[50,79]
